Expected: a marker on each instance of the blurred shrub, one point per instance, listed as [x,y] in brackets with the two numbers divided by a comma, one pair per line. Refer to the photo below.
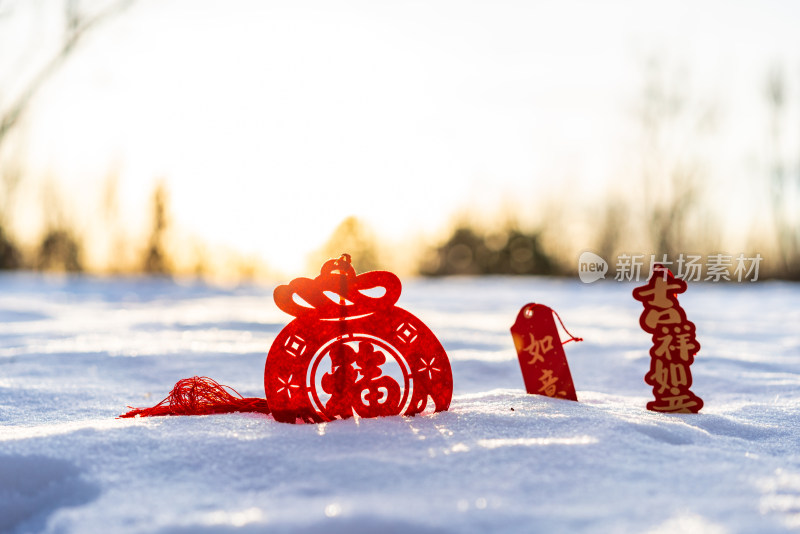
[470,252]
[353,237]
[156,260]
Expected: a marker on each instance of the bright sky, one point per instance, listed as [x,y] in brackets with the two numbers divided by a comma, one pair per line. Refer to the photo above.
[271,122]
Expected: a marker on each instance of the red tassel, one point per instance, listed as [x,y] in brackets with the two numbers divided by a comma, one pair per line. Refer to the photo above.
[201,395]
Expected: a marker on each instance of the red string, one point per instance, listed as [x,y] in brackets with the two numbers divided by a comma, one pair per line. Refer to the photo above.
[571,337]
[201,395]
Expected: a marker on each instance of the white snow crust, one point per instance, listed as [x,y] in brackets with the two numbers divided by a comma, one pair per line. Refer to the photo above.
[74,352]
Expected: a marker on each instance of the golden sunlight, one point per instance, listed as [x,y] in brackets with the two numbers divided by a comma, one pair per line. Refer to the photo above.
[267,125]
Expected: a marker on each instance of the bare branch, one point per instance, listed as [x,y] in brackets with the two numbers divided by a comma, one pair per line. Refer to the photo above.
[77,28]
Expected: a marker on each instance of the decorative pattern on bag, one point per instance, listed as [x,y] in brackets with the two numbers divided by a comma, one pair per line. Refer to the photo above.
[674,343]
[349,352]
[541,355]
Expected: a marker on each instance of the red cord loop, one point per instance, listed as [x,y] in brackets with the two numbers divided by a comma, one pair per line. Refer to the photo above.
[571,337]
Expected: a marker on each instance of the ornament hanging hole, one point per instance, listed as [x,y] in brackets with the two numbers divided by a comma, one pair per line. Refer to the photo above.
[336,298]
[300,301]
[373,292]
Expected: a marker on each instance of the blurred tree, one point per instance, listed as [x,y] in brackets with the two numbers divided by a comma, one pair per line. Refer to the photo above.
[10,256]
[156,261]
[611,228]
[78,21]
[353,237]
[60,248]
[59,251]
[119,256]
[672,126]
[784,180]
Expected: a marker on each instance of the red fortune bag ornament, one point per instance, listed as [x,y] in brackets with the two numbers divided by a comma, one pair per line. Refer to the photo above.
[346,353]
[674,343]
[541,354]
[381,360]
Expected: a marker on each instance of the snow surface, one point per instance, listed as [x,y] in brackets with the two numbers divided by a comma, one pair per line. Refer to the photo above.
[74,352]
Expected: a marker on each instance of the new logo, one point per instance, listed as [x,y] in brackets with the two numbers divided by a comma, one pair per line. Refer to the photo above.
[591,267]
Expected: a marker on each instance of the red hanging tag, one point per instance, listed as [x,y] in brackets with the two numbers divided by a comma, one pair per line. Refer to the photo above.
[541,354]
[674,343]
[350,353]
